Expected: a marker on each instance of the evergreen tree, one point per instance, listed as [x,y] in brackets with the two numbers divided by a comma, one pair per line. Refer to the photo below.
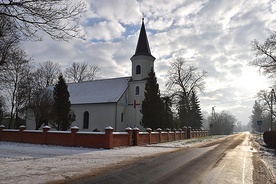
[259,114]
[195,112]
[184,111]
[63,117]
[152,106]
[168,114]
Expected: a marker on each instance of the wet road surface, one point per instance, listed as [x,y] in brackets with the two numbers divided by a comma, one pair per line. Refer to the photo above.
[226,160]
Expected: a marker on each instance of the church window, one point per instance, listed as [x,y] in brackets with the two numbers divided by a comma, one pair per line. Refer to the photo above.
[122,117]
[85,120]
[138,69]
[137,90]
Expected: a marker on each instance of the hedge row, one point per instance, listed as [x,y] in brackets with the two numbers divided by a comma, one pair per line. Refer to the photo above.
[270,139]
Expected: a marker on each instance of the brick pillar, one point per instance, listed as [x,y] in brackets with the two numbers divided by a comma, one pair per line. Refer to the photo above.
[108,137]
[45,130]
[21,130]
[174,133]
[193,133]
[189,132]
[159,130]
[136,136]
[130,133]
[168,134]
[180,133]
[149,130]
[1,129]
[74,130]
[185,132]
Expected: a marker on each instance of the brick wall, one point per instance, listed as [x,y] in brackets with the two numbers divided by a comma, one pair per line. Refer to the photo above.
[107,139]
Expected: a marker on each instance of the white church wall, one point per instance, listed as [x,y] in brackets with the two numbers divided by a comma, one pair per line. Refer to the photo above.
[132,96]
[134,116]
[121,117]
[146,62]
[131,116]
[100,115]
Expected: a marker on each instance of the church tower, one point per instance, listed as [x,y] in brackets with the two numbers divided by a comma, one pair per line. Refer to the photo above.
[142,62]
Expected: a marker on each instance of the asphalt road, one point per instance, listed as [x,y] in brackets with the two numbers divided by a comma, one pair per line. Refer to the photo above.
[226,160]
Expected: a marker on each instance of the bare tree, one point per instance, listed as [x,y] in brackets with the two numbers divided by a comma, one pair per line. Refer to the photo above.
[223,124]
[39,98]
[46,74]
[57,18]
[14,77]
[41,104]
[266,55]
[80,72]
[8,38]
[264,99]
[184,78]
[2,108]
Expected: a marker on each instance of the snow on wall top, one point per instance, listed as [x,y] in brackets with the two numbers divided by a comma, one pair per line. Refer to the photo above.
[98,91]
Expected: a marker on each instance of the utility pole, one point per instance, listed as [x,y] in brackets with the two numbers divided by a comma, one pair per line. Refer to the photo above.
[271,108]
[213,120]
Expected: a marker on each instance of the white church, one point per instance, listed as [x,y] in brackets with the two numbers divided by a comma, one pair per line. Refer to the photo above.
[112,102]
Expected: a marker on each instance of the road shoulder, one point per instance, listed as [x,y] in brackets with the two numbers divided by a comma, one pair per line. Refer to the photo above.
[261,173]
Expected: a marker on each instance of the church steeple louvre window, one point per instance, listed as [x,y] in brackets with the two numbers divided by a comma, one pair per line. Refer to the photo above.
[138,69]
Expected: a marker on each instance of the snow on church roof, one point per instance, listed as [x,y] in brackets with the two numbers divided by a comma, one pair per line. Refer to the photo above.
[98,91]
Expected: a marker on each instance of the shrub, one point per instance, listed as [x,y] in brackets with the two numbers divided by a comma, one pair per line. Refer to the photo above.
[270,139]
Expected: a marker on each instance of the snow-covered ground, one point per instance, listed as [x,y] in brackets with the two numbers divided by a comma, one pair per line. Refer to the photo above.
[267,155]
[29,163]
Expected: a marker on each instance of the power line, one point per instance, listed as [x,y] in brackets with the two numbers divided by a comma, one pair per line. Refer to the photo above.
[241,100]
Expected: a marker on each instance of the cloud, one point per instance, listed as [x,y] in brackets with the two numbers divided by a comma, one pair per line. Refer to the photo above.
[124,11]
[105,30]
[214,35]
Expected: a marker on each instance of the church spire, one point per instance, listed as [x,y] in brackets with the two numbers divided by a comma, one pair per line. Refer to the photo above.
[142,60]
[142,47]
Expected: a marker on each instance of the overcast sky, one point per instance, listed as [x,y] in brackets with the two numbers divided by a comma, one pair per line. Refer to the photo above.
[215,35]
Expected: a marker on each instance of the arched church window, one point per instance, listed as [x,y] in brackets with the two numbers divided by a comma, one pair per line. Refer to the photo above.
[86,120]
[138,69]
[137,90]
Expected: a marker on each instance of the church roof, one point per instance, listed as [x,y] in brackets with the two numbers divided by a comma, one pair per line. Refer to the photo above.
[142,47]
[98,91]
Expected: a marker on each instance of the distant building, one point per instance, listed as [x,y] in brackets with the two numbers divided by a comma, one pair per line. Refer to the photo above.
[112,102]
